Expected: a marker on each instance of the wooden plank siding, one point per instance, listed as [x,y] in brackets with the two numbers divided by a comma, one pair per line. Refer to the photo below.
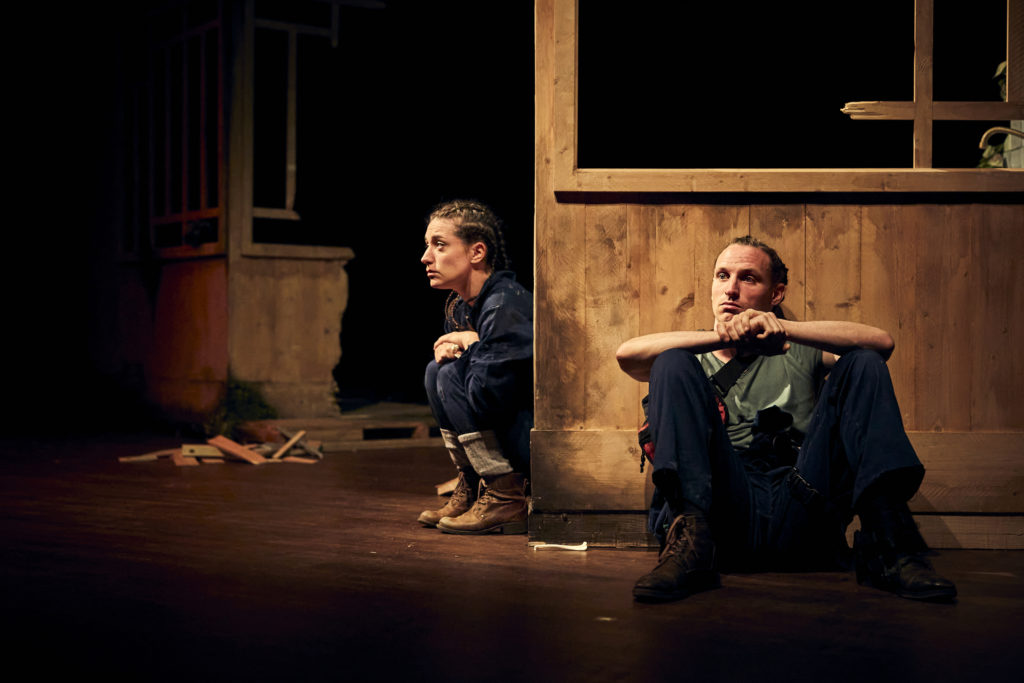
[941,278]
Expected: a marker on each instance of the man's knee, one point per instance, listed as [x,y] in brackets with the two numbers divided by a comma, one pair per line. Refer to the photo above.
[678,363]
[862,364]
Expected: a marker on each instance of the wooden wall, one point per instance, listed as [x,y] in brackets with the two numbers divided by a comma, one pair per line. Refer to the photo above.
[187,358]
[944,278]
[285,330]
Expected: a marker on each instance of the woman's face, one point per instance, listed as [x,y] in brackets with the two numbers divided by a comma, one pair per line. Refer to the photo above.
[448,259]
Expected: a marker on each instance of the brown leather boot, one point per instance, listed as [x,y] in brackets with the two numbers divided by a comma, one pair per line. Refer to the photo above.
[686,564]
[461,500]
[501,509]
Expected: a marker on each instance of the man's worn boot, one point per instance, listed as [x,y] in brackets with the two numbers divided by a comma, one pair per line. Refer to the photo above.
[500,509]
[461,500]
[889,554]
[686,564]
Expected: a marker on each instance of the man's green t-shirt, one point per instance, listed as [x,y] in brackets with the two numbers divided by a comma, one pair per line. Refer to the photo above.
[789,381]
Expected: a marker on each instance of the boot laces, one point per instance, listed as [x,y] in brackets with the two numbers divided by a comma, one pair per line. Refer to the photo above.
[486,496]
[680,538]
[463,492]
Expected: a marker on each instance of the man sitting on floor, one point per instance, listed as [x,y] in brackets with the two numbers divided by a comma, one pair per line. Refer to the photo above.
[758,461]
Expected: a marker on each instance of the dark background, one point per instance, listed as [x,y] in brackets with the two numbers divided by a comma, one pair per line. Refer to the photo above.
[432,100]
[771,79]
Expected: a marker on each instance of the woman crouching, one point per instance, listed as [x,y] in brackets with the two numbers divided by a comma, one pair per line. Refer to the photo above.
[480,382]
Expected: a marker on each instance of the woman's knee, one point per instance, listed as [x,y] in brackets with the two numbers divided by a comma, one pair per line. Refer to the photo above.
[430,377]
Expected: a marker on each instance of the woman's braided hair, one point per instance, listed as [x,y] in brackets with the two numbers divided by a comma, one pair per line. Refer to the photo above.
[474,222]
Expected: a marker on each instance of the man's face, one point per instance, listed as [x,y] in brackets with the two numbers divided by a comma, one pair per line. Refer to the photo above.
[743,280]
[447,257]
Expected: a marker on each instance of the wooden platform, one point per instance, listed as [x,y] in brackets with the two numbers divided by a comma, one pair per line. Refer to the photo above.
[321,572]
[375,427]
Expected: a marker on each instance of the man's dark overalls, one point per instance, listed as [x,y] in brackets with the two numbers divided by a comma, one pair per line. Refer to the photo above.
[769,514]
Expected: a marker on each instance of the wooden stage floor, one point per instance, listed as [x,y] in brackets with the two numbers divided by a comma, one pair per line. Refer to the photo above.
[293,572]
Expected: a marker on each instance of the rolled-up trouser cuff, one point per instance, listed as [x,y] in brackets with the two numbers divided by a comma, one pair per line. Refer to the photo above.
[455,450]
[485,454]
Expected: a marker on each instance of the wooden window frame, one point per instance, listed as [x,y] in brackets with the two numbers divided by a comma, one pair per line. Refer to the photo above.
[569,177]
[176,211]
[242,134]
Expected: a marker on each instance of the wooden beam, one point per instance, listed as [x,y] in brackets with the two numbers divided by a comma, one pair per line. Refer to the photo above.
[564,110]
[924,21]
[941,111]
[646,180]
[1015,51]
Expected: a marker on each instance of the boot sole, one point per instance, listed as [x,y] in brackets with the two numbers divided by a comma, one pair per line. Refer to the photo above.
[506,528]
[652,595]
[937,595]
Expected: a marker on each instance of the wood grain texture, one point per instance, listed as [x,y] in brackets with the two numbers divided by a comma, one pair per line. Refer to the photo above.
[781,226]
[678,267]
[924,23]
[559,256]
[713,226]
[809,181]
[970,472]
[978,532]
[187,362]
[997,330]
[937,349]
[285,327]
[598,529]
[889,291]
[1015,51]
[611,317]
[596,469]
[833,262]
[560,317]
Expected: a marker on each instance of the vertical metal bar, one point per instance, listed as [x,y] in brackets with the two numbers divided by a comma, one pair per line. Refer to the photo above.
[201,90]
[221,182]
[168,89]
[290,170]
[184,129]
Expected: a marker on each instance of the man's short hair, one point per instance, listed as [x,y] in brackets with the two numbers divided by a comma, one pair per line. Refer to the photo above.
[780,273]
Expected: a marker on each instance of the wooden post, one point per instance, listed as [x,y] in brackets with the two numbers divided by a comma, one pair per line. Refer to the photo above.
[924,21]
[1015,51]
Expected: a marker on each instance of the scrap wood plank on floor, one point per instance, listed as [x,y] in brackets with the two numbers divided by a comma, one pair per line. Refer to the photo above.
[220,449]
